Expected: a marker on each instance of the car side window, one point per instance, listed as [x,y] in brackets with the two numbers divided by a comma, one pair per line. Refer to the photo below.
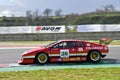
[80,44]
[60,45]
[70,44]
[67,44]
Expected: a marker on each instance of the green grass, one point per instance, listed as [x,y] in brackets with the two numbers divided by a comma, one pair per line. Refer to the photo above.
[64,74]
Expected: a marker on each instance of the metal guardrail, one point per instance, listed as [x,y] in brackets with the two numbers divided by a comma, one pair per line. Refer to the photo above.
[57,36]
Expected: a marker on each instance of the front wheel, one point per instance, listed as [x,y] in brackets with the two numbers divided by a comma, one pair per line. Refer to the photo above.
[94,56]
[42,58]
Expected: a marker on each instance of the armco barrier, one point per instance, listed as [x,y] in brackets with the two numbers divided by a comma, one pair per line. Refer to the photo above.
[57,36]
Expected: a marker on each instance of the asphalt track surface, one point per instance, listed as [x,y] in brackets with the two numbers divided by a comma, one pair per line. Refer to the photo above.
[10,56]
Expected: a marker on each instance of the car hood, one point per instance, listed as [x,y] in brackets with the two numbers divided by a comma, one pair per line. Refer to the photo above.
[37,49]
[33,51]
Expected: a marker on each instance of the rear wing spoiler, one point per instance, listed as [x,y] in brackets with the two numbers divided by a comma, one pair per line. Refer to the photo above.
[105,41]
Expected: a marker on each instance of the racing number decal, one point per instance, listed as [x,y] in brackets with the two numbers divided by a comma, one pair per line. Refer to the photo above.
[64,53]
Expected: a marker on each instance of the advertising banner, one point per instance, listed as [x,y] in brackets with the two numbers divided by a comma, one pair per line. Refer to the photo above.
[113,27]
[48,29]
[89,28]
[59,29]
[84,28]
[15,30]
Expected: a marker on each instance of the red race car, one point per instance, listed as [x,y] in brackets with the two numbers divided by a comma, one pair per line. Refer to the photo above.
[65,51]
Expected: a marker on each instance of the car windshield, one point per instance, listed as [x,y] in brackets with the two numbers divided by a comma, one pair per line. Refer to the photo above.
[51,44]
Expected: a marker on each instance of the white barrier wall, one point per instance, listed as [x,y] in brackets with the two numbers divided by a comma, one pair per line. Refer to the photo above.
[59,29]
[94,28]
[115,27]
[85,28]
[32,29]
[16,29]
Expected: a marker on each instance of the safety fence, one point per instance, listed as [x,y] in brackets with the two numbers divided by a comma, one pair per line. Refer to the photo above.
[57,36]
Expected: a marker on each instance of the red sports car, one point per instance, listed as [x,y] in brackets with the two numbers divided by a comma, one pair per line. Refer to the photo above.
[65,51]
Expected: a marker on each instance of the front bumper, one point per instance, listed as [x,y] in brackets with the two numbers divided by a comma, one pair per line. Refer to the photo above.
[26,61]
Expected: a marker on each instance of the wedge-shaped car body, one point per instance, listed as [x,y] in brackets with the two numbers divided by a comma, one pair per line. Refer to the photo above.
[65,51]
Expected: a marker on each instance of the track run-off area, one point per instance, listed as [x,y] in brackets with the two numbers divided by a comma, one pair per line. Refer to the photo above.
[10,55]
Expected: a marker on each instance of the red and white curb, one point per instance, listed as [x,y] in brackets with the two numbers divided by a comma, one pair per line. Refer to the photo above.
[2,65]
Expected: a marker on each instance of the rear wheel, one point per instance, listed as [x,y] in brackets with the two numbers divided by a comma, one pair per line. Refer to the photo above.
[42,58]
[94,56]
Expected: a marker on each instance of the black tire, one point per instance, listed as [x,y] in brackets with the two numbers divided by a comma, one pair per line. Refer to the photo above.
[42,58]
[94,56]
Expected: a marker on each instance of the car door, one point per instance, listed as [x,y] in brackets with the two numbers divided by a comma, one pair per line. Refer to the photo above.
[81,52]
[63,49]
[68,49]
[80,47]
